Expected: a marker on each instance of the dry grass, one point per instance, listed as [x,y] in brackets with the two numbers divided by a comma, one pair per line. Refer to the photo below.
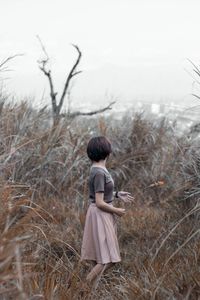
[44,191]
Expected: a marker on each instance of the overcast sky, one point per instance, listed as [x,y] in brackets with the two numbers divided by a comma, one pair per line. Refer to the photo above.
[131,48]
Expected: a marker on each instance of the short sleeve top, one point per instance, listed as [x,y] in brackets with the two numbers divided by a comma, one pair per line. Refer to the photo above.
[100,181]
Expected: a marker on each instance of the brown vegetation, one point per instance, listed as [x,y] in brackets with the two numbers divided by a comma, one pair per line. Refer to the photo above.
[44,200]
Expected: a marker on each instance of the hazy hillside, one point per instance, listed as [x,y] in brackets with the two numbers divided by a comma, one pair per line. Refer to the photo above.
[145,82]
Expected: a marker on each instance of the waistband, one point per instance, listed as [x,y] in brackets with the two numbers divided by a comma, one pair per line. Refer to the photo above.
[93,205]
[92,202]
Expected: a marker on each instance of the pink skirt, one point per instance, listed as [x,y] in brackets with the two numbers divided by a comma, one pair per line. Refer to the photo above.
[100,237]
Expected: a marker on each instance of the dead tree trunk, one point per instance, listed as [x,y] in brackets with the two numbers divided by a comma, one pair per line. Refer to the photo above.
[58,104]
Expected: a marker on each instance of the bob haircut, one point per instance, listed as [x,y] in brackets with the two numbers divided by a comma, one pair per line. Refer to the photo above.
[98,148]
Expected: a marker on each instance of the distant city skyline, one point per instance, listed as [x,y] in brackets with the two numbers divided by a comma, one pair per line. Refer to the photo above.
[131,49]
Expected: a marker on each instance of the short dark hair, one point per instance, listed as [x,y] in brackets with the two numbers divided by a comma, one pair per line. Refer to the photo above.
[98,148]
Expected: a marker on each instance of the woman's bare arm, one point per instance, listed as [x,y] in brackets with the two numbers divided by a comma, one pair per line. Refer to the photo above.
[100,203]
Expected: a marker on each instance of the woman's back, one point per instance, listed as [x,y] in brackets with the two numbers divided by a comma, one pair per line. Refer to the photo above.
[100,181]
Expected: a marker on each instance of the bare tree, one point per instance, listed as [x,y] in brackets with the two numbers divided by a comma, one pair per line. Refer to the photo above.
[58,104]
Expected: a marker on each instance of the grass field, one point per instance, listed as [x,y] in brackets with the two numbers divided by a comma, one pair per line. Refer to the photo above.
[44,198]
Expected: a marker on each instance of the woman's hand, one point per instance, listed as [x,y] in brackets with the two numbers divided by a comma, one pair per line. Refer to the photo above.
[120,211]
[125,196]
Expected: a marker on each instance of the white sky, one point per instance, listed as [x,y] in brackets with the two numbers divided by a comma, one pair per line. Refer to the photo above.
[131,48]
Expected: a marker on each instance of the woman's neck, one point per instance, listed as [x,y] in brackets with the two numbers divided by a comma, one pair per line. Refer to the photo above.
[101,163]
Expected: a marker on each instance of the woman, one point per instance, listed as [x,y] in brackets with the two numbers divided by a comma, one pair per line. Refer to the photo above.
[100,242]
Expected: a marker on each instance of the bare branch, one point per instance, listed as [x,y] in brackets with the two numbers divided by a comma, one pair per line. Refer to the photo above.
[76,73]
[43,47]
[72,73]
[43,68]
[66,90]
[90,113]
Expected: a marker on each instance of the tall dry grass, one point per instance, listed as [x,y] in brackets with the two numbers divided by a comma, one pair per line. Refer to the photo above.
[44,199]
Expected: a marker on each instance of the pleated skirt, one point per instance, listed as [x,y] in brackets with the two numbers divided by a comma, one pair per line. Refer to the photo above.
[100,242]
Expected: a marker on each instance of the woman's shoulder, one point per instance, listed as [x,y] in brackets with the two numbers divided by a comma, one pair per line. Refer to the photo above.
[100,172]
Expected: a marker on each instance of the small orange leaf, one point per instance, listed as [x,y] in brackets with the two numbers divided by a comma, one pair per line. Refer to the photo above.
[157,183]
